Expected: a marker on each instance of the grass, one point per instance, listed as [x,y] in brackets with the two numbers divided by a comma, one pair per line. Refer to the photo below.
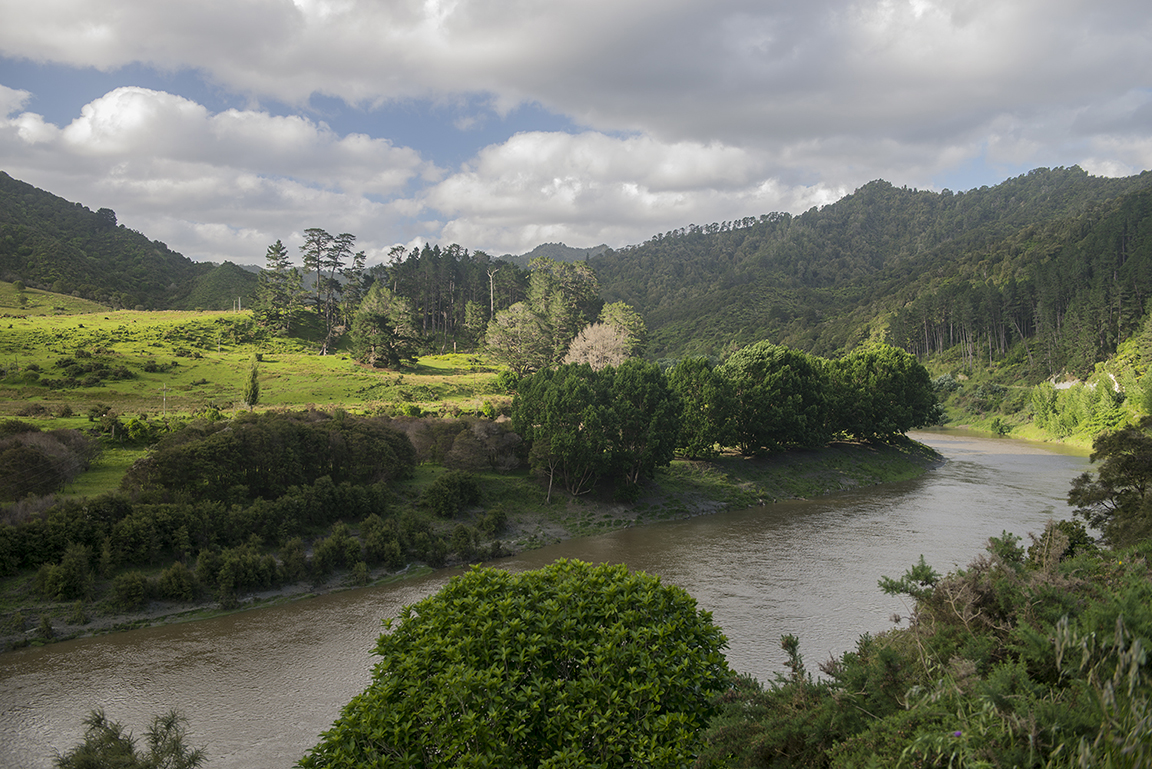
[183,362]
[105,474]
[32,301]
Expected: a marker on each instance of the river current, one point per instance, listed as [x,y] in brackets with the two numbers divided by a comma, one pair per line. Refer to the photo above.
[259,686]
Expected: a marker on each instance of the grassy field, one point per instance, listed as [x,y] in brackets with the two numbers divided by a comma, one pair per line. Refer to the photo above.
[32,301]
[164,363]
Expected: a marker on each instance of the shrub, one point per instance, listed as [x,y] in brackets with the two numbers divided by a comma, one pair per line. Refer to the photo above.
[106,744]
[450,493]
[130,590]
[569,665]
[178,583]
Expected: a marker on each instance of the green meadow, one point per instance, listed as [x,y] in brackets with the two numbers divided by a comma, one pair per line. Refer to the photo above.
[176,362]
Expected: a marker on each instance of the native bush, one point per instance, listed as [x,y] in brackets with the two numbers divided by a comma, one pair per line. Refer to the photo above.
[569,665]
[265,454]
[451,493]
[107,744]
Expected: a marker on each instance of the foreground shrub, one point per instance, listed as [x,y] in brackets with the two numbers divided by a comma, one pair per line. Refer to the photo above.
[572,665]
[106,744]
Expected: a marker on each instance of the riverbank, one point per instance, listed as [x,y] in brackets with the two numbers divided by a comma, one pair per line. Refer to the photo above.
[685,489]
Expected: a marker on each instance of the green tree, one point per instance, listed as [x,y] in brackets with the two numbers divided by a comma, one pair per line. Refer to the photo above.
[279,292]
[781,398]
[880,392]
[645,420]
[107,746]
[383,334]
[1118,501]
[569,665]
[566,296]
[328,287]
[313,252]
[621,316]
[518,337]
[708,404]
[252,385]
[564,414]
[475,322]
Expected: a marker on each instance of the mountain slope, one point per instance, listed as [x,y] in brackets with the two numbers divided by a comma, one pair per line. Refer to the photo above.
[51,243]
[829,278]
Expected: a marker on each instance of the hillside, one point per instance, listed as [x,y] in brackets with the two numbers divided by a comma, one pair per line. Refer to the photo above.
[53,244]
[557,252]
[1045,273]
[832,277]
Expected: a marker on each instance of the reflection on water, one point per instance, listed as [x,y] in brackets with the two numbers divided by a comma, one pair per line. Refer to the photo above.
[258,687]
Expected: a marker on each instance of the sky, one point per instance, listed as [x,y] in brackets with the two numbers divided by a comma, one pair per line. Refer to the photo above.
[221,126]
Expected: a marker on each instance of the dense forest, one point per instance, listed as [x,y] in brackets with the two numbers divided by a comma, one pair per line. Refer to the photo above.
[1055,258]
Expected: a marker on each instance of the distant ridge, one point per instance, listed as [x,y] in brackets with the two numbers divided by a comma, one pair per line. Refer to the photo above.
[557,252]
[1055,258]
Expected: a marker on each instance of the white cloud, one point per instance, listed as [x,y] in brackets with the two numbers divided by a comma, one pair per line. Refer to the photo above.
[696,110]
[11,100]
[184,175]
[592,188]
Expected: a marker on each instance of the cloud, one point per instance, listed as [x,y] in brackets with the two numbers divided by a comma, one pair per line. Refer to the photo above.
[730,70]
[247,172]
[592,188]
[690,110]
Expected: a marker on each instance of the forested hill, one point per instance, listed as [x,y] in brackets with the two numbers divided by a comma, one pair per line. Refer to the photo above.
[48,242]
[557,252]
[1007,263]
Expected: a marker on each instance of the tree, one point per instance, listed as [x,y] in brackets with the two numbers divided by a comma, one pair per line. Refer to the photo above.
[278,291]
[599,345]
[781,398]
[313,252]
[475,322]
[564,414]
[622,317]
[252,385]
[1118,501]
[566,296]
[383,334]
[880,392]
[518,338]
[569,665]
[708,404]
[645,419]
[354,289]
[333,259]
[107,746]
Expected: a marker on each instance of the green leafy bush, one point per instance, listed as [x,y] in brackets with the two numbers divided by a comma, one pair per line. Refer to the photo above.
[569,665]
[451,493]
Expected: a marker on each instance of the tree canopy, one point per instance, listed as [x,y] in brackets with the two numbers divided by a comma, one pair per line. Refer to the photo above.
[1118,501]
[569,665]
[781,398]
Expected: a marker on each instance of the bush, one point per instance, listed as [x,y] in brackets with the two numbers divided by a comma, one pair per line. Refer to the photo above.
[106,744]
[130,590]
[569,665]
[178,583]
[451,493]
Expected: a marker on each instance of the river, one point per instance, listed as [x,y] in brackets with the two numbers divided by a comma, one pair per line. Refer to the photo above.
[258,687]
